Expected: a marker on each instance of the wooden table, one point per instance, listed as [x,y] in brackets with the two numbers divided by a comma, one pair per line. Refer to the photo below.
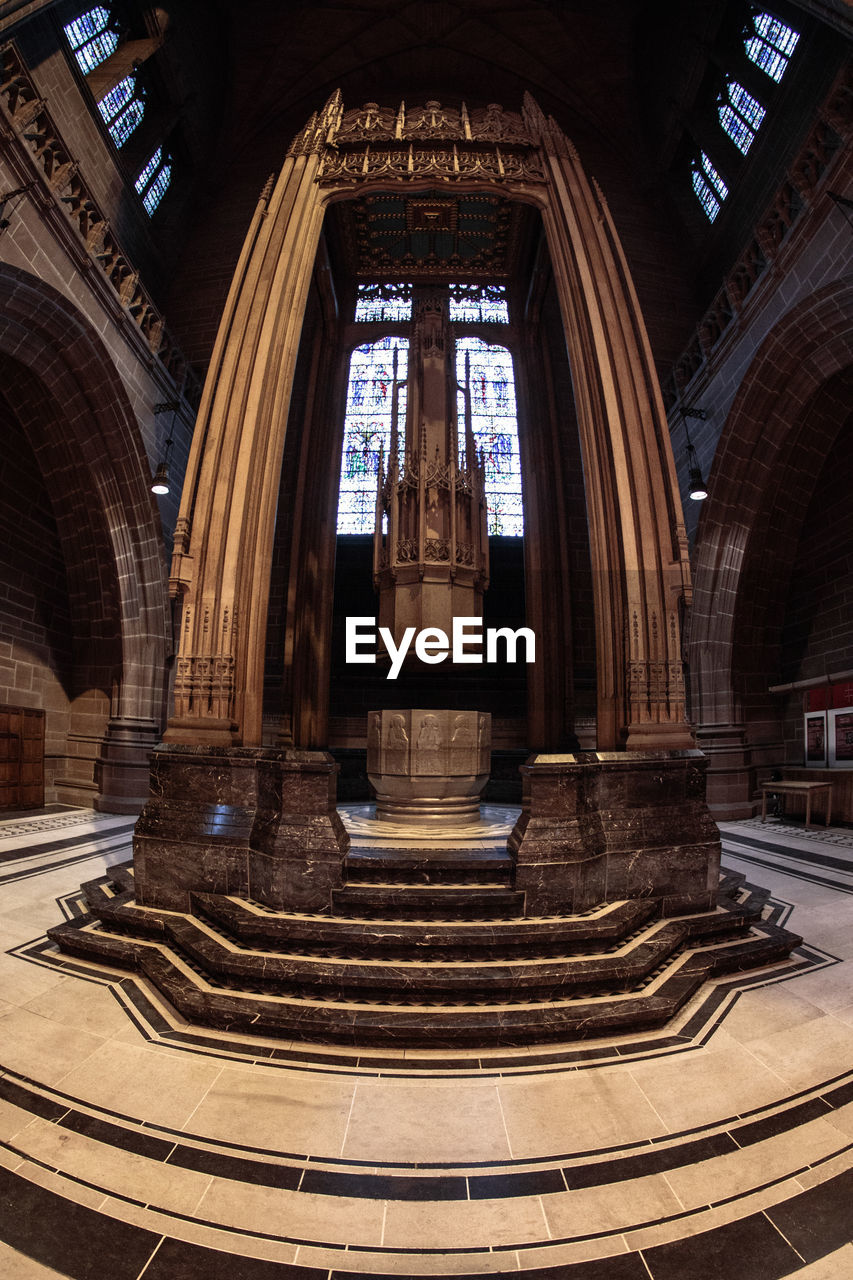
[807,789]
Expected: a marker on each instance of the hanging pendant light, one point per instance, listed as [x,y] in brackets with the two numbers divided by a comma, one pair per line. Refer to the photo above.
[696,488]
[160,483]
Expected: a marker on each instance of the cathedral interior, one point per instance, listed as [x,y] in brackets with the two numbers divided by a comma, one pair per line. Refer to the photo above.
[426,639]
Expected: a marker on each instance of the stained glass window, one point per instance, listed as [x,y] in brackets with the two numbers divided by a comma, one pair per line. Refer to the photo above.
[367,427]
[384,302]
[479,303]
[149,170]
[772,45]
[495,427]
[154,179]
[708,185]
[90,38]
[122,109]
[740,115]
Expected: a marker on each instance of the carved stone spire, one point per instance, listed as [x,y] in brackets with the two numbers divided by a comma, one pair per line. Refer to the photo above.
[432,562]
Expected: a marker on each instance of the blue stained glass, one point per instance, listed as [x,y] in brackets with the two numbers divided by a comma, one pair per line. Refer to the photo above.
[777,33]
[772,45]
[479,303]
[122,110]
[740,116]
[150,168]
[707,199]
[767,58]
[388,302]
[86,26]
[708,185]
[96,51]
[112,102]
[713,177]
[743,102]
[123,126]
[157,190]
[89,38]
[367,428]
[495,427]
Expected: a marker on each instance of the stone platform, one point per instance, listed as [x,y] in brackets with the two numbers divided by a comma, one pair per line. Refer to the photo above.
[426,943]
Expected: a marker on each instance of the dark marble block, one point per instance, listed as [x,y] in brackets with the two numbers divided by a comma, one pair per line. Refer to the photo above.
[605,826]
[298,841]
[239,820]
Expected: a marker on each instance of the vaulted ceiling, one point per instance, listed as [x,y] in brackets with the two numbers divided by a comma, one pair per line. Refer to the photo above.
[622,77]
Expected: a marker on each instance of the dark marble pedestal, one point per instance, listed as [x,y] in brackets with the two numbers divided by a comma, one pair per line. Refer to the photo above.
[252,821]
[604,826]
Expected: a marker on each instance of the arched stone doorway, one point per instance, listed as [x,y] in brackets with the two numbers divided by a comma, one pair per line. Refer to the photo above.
[92,637]
[790,409]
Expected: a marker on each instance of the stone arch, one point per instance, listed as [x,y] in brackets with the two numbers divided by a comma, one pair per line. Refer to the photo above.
[638,541]
[63,387]
[780,427]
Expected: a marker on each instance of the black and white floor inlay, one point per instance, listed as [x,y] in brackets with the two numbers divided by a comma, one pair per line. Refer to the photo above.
[133,1146]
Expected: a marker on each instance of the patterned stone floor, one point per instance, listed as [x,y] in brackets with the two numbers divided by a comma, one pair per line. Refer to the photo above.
[134,1145]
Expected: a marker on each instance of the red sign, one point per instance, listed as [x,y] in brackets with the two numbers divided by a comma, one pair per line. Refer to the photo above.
[826,697]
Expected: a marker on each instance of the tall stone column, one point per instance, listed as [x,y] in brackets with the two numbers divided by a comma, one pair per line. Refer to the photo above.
[223,538]
[638,542]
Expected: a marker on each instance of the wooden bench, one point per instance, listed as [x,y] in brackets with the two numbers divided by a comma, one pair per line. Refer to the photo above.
[807,789]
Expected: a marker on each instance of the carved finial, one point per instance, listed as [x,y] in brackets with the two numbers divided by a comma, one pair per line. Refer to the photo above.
[267,189]
[533,117]
[300,144]
[330,118]
[320,130]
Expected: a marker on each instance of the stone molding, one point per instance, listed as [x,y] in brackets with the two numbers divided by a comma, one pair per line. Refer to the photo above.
[29,128]
[827,140]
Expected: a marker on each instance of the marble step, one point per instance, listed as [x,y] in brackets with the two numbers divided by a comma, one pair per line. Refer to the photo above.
[341,976]
[413,1018]
[248,925]
[429,866]
[318,964]
[446,901]
[594,930]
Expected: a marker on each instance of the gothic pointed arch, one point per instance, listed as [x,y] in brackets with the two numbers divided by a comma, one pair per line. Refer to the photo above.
[224,537]
[62,386]
[780,428]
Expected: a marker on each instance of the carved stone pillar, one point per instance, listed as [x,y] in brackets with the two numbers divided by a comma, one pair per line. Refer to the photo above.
[121,772]
[638,541]
[223,539]
[433,563]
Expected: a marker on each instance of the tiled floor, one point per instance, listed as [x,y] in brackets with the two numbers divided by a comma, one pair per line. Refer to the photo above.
[132,1144]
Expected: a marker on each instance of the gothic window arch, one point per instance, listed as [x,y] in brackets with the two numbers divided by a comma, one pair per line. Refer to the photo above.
[740,114]
[494,424]
[367,422]
[122,109]
[771,44]
[154,180]
[710,188]
[92,37]
[367,427]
